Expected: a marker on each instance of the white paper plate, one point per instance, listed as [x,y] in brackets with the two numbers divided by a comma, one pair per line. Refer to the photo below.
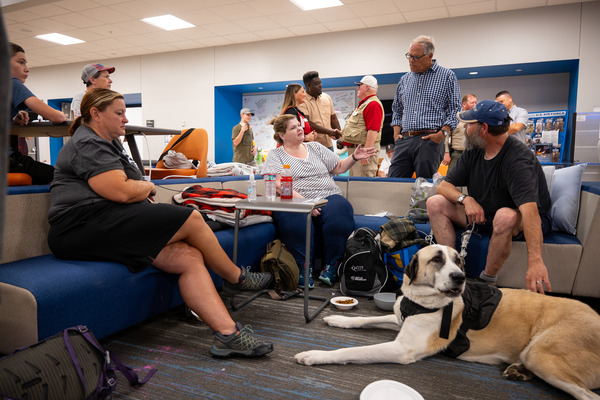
[389,390]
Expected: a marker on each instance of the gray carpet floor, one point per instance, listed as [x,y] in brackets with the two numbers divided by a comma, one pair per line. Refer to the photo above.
[178,346]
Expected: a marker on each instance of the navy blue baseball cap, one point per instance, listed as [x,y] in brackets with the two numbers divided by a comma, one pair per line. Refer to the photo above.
[489,111]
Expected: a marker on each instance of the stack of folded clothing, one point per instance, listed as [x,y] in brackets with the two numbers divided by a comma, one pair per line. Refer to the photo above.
[219,205]
[229,169]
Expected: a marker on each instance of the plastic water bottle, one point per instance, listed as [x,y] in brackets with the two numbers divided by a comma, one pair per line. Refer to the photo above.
[286,183]
[270,191]
[258,157]
[252,188]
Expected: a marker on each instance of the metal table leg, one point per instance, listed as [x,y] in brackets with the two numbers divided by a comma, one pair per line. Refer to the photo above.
[232,294]
[135,153]
[309,317]
[285,295]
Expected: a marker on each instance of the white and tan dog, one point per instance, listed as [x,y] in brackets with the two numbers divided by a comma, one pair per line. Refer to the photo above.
[555,338]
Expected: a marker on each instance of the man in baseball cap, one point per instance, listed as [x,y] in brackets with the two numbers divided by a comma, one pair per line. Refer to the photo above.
[507,194]
[369,80]
[384,168]
[93,76]
[93,71]
[363,127]
[242,138]
[487,111]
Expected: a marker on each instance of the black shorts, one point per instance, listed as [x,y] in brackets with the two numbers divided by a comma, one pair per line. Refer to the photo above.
[130,234]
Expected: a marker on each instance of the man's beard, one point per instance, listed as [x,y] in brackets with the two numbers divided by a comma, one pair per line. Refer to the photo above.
[474,142]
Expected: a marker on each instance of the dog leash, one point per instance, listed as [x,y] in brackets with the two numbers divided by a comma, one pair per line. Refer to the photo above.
[465,237]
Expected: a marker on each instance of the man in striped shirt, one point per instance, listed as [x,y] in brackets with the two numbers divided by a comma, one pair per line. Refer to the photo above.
[423,112]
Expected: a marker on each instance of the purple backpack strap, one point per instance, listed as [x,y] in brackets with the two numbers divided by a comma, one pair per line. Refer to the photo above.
[130,374]
[73,355]
[127,372]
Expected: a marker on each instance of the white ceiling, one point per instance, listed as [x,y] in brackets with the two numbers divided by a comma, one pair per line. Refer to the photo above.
[112,28]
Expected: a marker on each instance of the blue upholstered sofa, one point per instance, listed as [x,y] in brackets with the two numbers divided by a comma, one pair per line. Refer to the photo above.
[40,294]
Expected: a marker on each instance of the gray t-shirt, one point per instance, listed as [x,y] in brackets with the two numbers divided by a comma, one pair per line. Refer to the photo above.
[84,156]
[76,104]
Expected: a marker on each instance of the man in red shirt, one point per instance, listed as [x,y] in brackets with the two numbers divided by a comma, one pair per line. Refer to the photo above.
[364,126]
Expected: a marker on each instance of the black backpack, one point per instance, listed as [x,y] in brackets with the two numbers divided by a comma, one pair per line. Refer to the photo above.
[362,271]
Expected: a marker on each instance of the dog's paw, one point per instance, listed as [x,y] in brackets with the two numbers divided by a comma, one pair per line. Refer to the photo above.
[311,357]
[339,321]
[517,372]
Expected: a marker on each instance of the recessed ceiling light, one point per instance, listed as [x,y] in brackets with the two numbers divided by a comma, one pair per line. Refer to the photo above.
[168,22]
[59,38]
[519,70]
[316,4]
[473,73]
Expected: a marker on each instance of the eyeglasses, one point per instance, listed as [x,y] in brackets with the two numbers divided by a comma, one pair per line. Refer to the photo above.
[415,58]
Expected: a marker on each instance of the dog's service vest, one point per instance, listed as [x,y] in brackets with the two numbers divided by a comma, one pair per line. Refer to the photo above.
[481,300]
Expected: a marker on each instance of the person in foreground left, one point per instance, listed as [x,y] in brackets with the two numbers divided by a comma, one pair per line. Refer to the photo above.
[22,101]
[102,209]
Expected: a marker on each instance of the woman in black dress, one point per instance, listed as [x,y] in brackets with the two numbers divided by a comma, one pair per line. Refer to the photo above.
[102,209]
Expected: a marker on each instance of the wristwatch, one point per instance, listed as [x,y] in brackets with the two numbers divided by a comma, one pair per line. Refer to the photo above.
[461,198]
[446,133]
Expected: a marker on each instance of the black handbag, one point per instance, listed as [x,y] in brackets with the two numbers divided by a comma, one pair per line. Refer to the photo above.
[70,365]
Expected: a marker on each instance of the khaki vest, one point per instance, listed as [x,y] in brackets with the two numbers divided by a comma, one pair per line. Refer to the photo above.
[355,130]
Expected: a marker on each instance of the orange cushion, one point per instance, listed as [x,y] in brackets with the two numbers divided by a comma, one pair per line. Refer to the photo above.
[18,179]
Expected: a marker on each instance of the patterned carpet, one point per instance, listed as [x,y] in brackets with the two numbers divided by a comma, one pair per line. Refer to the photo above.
[178,347]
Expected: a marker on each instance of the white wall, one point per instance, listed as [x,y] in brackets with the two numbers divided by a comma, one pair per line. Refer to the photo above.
[178,87]
[588,91]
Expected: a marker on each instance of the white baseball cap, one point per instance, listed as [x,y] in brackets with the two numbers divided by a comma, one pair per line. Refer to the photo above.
[368,80]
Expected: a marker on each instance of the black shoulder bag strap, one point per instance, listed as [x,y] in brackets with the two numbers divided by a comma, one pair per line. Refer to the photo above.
[183,136]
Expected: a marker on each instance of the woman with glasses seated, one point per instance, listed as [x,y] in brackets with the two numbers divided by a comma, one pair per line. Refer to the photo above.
[312,166]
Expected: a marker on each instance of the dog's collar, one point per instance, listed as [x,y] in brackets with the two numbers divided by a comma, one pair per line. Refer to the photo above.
[409,308]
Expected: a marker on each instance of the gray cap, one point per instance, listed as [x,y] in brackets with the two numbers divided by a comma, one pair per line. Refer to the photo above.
[246,111]
[92,69]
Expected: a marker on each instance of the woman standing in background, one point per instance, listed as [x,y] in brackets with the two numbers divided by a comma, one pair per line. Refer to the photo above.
[293,97]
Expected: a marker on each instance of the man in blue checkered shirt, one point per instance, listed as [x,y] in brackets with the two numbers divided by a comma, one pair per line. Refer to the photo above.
[424,112]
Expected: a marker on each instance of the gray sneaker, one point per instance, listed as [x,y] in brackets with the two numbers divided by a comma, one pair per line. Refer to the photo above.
[251,280]
[240,343]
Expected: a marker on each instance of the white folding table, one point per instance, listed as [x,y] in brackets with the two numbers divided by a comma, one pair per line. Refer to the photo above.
[295,205]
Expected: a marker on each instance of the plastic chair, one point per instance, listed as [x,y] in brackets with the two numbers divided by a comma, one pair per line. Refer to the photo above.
[194,147]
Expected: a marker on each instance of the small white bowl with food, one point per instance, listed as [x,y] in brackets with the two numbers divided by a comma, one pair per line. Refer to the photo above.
[343,302]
